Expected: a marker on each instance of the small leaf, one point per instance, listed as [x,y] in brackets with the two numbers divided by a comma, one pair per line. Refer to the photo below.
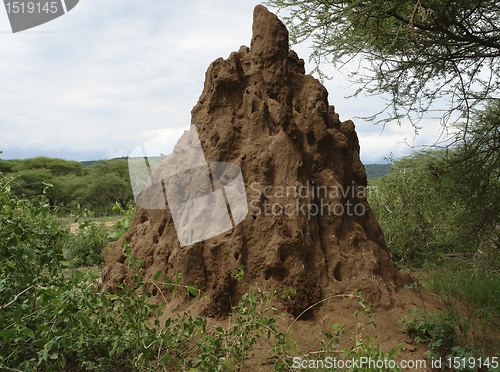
[138,261]
[43,328]
[28,332]
[12,242]
[193,291]
[327,334]
[124,247]
[78,275]
[67,264]
[157,275]
[114,235]
[105,300]
[30,253]
[179,277]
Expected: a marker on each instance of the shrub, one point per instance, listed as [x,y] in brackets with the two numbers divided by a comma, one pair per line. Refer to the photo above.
[84,248]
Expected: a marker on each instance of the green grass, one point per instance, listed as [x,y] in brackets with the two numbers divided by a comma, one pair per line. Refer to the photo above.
[473,287]
[479,294]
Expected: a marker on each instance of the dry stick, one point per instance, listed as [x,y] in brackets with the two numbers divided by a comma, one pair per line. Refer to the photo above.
[15,298]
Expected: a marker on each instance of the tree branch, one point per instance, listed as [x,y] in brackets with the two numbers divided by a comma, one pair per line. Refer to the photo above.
[470,38]
[3,307]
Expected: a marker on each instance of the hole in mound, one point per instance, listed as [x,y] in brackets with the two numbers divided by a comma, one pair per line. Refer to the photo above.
[161,228]
[268,274]
[236,256]
[283,255]
[310,139]
[336,273]
[143,218]
[280,274]
[154,292]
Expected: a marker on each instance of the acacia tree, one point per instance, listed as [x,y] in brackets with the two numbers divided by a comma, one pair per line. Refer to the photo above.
[414,51]
[478,169]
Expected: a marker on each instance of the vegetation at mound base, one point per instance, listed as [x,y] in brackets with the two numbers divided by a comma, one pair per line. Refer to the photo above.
[54,317]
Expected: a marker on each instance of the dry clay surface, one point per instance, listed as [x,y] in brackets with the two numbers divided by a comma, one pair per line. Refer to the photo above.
[259,110]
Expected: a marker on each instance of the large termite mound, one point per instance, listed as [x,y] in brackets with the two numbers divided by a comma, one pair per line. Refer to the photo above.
[308,226]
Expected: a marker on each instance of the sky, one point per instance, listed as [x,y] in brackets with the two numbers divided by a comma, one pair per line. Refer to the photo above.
[110,75]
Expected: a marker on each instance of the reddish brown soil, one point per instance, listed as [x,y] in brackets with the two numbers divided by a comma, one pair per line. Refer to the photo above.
[259,110]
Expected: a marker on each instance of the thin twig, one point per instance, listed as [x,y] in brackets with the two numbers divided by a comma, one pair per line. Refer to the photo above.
[15,298]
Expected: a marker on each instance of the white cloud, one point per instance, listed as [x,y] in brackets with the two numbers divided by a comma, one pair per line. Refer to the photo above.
[109,74]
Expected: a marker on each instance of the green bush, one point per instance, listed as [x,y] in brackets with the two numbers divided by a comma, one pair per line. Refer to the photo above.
[85,246]
[417,209]
[446,334]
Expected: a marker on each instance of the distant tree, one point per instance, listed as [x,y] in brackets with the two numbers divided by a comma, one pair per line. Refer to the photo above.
[31,182]
[108,183]
[41,176]
[57,167]
[414,51]
[96,187]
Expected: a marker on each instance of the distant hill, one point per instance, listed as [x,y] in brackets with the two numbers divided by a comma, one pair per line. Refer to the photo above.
[375,171]
[88,163]
[152,159]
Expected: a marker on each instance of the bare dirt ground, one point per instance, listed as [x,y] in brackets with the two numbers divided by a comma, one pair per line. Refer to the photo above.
[74,226]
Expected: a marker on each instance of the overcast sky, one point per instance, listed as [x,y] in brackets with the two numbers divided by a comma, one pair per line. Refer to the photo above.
[108,75]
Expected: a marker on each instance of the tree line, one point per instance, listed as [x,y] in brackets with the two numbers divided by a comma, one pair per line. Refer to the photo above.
[71,185]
